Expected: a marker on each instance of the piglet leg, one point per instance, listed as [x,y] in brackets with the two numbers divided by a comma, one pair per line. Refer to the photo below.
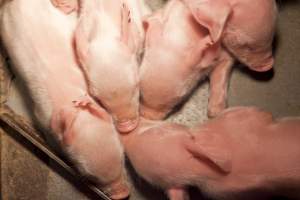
[219,78]
[178,194]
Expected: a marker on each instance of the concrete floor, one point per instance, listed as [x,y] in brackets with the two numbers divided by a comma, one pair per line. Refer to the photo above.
[28,174]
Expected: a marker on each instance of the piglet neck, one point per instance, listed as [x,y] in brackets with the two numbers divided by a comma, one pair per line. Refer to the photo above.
[144,125]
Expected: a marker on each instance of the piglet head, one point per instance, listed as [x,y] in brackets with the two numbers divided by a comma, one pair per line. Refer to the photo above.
[174,47]
[245,28]
[86,132]
[155,95]
[114,82]
[257,55]
[108,56]
[222,139]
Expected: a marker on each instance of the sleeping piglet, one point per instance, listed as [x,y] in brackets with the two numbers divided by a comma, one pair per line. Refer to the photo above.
[109,39]
[245,27]
[241,154]
[189,39]
[178,53]
[40,47]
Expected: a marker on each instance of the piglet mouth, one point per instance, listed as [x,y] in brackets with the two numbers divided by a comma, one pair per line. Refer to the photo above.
[126,126]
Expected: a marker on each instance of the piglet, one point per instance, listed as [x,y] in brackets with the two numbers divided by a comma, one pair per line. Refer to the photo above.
[184,43]
[109,39]
[178,53]
[245,27]
[40,46]
[241,154]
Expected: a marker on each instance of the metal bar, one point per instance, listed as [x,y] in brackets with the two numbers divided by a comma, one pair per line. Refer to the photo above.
[41,145]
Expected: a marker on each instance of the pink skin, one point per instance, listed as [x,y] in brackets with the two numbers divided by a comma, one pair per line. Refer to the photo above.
[241,150]
[178,53]
[40,47]
[246,28]
[184,43]
[108,38]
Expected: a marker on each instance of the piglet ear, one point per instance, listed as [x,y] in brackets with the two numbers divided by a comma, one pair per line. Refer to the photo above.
[130,34]
[211,148]
[154,17]
[212,14]
[62,122]
[66,6]
[153,28]
[85,31]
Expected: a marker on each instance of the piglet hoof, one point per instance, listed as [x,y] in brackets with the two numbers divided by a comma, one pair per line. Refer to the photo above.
[126,126]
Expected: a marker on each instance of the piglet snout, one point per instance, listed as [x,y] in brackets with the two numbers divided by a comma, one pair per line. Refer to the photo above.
[125,126]
[267,65]
[117,190]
